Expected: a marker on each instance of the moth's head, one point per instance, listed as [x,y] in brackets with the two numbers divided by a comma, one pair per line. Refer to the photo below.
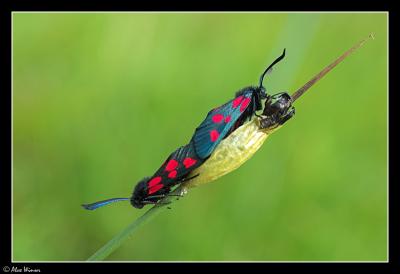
[261,92]
[139,193]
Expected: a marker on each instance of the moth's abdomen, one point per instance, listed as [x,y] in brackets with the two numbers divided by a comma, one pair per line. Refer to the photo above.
[231,153]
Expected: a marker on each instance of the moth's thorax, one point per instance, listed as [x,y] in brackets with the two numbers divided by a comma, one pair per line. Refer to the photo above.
[231,153]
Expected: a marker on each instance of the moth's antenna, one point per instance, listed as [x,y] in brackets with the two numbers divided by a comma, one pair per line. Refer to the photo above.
[98,204]
[328,68]
[270,67]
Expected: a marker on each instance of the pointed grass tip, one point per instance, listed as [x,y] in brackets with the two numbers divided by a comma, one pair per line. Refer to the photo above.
[328,68]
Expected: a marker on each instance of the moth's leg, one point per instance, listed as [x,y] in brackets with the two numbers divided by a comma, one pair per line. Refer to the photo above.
[159,202]
[190,178]
[155,202]
[168,194]
[163,195]
[149,202]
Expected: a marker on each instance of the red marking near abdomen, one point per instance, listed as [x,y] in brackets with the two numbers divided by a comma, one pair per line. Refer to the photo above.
[172,164]
[237,101]
[244,104]
[214,135]
[217,118]
[155,188]
[172,174]
[188,162]
[154,181]
[227,119]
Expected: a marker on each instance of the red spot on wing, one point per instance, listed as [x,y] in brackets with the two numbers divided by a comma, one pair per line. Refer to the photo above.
[155,188]
[154,181]
[237,101]
[217,118]
[172,164]
[214,135]
[188,162]
[244,104]
[227,119]
[172,174]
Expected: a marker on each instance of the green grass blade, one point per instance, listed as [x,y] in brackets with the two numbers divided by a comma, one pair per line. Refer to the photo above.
[125,234]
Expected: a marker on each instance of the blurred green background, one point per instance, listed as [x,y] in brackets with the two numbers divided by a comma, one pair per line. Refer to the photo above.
[101,99]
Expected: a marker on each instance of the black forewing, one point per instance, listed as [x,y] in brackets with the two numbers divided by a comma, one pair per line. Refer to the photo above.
[177,166]
[185,159]
[218,123]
